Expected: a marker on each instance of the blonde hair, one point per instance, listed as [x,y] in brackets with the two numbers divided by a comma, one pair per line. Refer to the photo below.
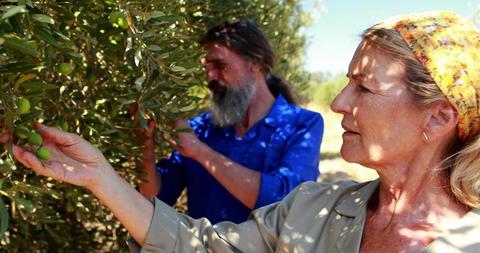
[462,166]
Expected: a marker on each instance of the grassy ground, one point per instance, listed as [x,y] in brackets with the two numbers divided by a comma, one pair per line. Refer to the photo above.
[332,166]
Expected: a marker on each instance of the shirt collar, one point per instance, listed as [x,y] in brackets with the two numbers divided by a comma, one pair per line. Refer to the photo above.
[280,113]
[354,202]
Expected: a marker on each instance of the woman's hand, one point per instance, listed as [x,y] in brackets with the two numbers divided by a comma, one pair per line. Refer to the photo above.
[77,162]
[73,160]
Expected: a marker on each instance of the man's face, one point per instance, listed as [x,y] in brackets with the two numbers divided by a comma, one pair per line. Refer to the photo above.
[232,82]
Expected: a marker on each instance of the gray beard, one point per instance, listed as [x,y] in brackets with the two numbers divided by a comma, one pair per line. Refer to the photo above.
[229,107]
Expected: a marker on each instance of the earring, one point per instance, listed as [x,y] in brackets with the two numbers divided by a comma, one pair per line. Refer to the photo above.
[425,136]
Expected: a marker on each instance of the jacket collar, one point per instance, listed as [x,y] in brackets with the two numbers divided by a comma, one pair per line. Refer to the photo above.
[354,202]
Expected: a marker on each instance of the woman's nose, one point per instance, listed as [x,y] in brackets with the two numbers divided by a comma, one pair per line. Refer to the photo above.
[341,103]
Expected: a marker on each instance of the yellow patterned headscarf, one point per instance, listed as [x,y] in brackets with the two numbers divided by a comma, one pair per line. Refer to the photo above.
[449,48]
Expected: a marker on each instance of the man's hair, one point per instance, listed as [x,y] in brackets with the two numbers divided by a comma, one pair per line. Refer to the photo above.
[246,39]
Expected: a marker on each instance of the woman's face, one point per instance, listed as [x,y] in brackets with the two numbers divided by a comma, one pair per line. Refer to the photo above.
[382,123]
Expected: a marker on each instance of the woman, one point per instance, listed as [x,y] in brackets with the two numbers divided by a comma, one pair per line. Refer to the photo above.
[410,111]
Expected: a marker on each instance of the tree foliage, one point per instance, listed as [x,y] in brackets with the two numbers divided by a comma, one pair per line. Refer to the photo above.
[324,88]
[81,64]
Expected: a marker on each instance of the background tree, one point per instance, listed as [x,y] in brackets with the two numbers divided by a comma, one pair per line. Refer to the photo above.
[80,64]
[323,88]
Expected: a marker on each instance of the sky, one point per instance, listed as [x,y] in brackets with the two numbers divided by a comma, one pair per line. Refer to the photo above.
[334,35]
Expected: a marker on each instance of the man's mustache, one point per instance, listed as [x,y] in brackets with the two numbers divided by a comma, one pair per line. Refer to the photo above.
[216,87]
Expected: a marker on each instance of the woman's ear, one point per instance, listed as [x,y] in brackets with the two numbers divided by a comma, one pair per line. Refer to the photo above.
[442,119]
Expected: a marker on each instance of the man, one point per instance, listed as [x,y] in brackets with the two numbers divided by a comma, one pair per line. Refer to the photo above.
[252,148]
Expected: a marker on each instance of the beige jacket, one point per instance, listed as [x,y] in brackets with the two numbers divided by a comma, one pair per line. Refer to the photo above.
[312,218]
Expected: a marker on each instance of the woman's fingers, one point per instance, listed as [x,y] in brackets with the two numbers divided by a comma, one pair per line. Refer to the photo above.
[28,159]
[19,153]
[55,135]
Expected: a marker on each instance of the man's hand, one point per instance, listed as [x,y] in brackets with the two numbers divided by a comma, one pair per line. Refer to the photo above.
[143,136]
[151,183]
[189,145]
[240,181]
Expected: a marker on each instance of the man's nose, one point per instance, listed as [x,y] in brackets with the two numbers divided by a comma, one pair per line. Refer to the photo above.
[212,75]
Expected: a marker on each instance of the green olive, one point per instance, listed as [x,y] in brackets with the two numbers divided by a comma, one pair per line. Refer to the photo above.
[114,17]
[70,207]
[22,132]
[35,139]
[65,68]
[71,193]
[92,78]
[33,44]
[23,106]
[122,22]
[44,154]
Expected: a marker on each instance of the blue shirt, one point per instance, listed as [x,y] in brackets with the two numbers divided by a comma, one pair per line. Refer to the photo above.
[284,146]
